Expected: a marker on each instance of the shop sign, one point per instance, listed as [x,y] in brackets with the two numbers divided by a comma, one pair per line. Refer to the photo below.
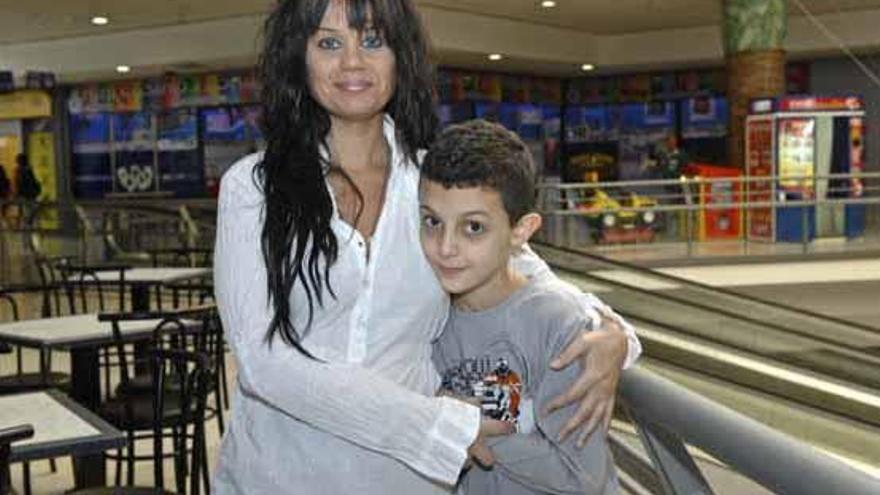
[25,104]
[820,103]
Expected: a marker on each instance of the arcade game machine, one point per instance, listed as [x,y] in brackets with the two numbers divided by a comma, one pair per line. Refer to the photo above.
[536,124]
[591,143]
[704,121]
[723,190]
[800,140]
[645,128]
[594,149]
[704,128]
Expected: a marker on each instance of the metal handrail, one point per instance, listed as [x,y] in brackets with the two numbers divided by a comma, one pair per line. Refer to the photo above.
[667,416]
[746,205]
[705,180]
[546,202]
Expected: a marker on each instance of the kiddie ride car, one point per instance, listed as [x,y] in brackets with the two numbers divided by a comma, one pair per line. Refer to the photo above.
[630,218]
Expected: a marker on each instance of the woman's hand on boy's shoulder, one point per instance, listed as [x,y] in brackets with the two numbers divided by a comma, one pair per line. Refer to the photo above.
[602,354]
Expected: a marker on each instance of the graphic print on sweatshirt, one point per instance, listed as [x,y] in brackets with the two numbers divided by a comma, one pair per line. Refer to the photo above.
[497,387]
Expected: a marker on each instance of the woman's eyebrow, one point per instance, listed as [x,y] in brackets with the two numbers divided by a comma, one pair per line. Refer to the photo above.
[366,28]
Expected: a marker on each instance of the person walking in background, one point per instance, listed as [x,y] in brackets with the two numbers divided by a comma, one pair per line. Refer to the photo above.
[28,188]
[5,190]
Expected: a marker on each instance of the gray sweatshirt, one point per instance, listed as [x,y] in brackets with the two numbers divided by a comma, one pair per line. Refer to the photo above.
[527,331]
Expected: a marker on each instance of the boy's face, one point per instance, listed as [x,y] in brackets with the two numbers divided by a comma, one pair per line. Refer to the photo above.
[467,236]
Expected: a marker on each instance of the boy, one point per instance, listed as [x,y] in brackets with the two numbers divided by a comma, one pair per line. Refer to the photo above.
[476,196]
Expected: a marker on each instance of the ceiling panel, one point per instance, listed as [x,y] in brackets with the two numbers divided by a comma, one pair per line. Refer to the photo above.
[597,17]
[29,20]
[628,16]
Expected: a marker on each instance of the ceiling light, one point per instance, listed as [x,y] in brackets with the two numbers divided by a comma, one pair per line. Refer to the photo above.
[100,20]
[495,57]
[588,67]
[548,4]
[123,69]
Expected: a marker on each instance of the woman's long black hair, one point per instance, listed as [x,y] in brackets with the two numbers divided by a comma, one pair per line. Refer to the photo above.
[296,231]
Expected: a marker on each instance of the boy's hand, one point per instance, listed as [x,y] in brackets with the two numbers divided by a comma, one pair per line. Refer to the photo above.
[602,353]
[479,452]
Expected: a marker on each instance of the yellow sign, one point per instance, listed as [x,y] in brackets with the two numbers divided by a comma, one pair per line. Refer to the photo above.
[25,104]
[10,147]
[41,154]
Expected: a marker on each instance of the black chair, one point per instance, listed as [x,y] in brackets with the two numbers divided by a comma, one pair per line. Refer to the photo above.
[214,345]
[7,437]
[85,292]
[186,374]
[182,256]
[200,293]
[29,381]
[51,282]
[132,408]
[21,380]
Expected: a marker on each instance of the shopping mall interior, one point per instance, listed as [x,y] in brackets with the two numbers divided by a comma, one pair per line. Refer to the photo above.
[708,168]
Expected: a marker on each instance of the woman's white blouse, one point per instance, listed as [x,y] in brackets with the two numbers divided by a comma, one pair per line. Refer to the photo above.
[363,419]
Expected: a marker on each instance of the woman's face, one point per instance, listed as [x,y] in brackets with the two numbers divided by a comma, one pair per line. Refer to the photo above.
[351,73]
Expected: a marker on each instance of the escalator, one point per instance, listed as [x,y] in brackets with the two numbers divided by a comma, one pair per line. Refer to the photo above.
[810,375]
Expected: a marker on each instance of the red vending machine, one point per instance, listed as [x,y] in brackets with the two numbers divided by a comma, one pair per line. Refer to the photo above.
[720,216]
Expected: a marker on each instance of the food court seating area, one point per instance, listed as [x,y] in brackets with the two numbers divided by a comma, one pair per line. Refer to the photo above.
[151,295]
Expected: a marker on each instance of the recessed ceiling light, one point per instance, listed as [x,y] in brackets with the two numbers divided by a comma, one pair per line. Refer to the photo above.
[548,4]
[588,67]
[495,57]
[100,20]
[123,69]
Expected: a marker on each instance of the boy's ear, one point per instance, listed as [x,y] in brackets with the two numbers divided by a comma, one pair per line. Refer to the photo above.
[527,225]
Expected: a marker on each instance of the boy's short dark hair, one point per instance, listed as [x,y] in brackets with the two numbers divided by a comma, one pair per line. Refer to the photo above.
[478,153]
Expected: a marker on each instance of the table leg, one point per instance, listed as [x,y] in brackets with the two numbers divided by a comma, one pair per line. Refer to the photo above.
[89,471]
[140,297]
[85,377]
[140,301]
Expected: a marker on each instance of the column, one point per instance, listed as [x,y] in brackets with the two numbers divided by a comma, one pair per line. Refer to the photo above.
[754,33]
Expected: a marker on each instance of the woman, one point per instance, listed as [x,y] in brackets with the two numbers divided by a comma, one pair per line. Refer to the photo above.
[317,242]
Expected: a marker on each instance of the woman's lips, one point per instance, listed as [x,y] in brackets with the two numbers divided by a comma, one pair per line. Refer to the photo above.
[354,86]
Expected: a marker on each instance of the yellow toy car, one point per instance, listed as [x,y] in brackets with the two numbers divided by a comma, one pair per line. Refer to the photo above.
[606,212]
